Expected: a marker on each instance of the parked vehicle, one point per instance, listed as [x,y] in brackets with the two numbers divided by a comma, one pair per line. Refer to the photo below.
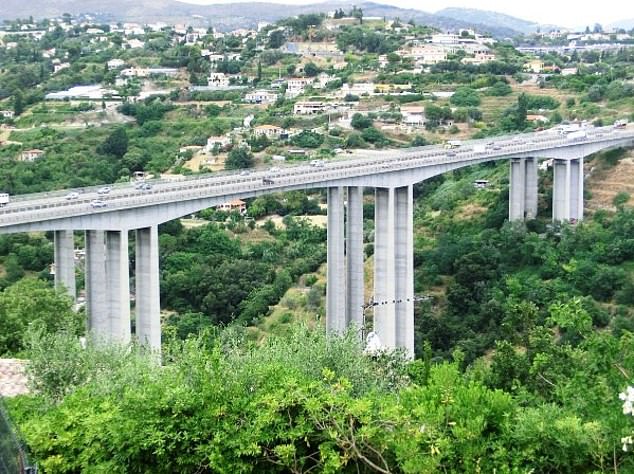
[4,199]
[98,203]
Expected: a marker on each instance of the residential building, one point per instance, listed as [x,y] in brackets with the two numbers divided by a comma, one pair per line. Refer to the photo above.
[261,97]
[232,206]
[271,132]
[218,80]
[297,85]
[358,88]
[310,108]
[116,63]
[413,115]
[7,114]
[31,155]
[221,141]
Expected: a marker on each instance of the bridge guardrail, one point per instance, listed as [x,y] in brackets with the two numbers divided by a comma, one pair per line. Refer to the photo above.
[411,159]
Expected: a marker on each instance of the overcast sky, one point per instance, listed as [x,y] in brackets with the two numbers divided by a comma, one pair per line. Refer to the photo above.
[570,13]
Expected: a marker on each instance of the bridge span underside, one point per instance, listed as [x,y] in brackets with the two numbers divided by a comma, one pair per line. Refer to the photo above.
[389,178]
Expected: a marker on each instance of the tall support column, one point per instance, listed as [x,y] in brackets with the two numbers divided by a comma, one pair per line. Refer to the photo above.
[561,190]
[64,244]
[98,314]
[336,281]
[148,302]
[118,285]
[516,189]
[576,189]
[384,284]
[404,268]
[354,258]
[530,188]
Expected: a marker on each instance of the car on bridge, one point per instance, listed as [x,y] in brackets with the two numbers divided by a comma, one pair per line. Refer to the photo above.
[98,203]
[72,195]
[104,190]
[142,186]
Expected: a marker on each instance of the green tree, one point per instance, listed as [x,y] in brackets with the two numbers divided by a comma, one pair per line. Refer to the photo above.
[311,69]
[18,103]
[239,158]
[115,144]
[465,97]
[32,303]
[360,121]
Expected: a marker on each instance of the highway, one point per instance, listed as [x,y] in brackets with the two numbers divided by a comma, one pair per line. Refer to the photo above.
[44,206]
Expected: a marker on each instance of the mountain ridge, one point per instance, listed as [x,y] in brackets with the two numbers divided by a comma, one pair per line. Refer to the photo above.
[230,16]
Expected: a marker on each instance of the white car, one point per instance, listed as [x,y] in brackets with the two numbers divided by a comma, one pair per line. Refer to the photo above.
[245,173]
[98,203]
[104,190]
[73,195]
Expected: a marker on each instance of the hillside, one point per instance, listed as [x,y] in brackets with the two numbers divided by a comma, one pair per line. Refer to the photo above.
[484,17]
[240,15]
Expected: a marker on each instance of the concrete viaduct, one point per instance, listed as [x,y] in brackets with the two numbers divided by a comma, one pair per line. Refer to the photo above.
[391,173]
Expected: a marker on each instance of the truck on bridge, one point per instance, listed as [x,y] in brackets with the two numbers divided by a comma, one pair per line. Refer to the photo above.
[4,199]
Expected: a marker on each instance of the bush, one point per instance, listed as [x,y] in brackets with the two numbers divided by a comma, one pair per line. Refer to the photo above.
[308,139]
[465,97]
[239,158]
[360,121]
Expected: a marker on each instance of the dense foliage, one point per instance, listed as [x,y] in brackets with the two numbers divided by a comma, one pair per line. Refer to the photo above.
[303,402]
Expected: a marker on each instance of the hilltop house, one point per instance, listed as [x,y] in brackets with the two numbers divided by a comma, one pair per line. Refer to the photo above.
[297,86]
[271,132]
[31,155]
[260,97]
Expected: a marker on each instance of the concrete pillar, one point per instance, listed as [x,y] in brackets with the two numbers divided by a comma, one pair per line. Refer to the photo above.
[516,189]
[354,258]
[530,188]
[98,314]
[64,244]
[118,285]
[384,284]
[404,268]
[561,190]
[336,281]
[148,298]
[576,189]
